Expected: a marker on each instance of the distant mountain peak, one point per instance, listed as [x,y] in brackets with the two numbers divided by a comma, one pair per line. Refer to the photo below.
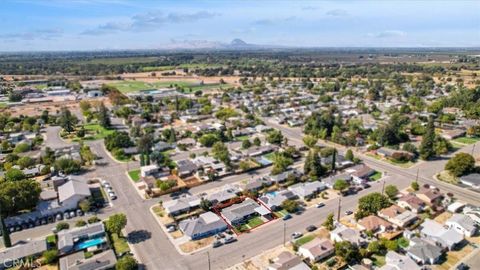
[238,42]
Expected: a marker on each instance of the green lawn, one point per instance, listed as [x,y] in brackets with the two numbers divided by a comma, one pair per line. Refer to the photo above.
[281,213]
[3,105]
[134,175]
[94,132]
[269,156]
[52,239]
[378,260]
[305,239]
[467,140]
[254,222]
[242,138]
[377,175]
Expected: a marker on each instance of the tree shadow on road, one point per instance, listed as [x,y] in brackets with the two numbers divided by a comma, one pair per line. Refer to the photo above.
[138,236]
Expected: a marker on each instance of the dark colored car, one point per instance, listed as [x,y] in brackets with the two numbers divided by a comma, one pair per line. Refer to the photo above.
[287,217]
[311,228]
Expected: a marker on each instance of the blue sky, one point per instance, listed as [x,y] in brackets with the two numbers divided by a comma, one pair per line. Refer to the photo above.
[27,25]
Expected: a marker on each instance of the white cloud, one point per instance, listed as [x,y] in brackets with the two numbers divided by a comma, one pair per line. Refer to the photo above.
[388,34]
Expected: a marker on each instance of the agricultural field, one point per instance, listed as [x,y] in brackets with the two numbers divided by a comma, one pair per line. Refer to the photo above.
[135,86]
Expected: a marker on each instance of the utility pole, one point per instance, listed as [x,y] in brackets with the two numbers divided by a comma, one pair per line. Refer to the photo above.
[208,256]
[284,232]
[473,149]
[416,179]
[339,207]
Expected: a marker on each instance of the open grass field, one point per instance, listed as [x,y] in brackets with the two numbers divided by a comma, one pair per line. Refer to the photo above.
[94,132]
[467,140]
[135,86]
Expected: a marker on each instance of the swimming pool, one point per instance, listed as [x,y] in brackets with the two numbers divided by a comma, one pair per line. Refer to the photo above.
[271,194]
[89,243]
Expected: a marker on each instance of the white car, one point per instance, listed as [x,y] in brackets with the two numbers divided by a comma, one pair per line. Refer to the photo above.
[296,235]
[112,195]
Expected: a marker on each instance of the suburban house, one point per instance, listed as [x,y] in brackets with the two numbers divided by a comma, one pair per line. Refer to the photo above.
[185,167]
[251,185]
[239,213]
[224,195]
[398,216]
[472,180]
[274,200]
[153,170]
[29,249]
[438,234]
[307,190]
[206,224]
[430,196]
[77,261]
[361,173]
[395,261]
[423,252]
[162,146]
[473,212]
[282,177]
[343,233]
[411,202]
[288,261]
[462,224]
[80,238]
[330,181]
[72,192]
[317,249]
[181,205]
[374,224]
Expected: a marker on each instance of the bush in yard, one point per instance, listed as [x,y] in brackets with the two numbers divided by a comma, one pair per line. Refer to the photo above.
[62,226]
[415,186]
[290,206]
[50,256]
[116,223]
[461,164]
[391,191]
[80,223]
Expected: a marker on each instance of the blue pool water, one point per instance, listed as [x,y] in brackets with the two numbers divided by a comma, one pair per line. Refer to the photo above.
[271,194]
[89,243]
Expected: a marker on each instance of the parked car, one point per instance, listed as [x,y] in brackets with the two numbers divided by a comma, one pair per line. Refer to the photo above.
[320,205]
[171,228]
[66,215]
[112,195]
[229,239]
[216,244]
[59,217]
[462,266]
[287,217]
[348,212]
[311,228]
[72,214]
[79,212]
[296,235]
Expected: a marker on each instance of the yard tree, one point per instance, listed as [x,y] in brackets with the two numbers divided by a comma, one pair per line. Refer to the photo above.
[461,164]
[15,196]
[102,116]
[25,162]
[275,137]
[126,263]
[205,204]
[280,163]
[415,186]
[246,144]
[118,139]
[208,140]
[349,155]
[67,165]
[84,205]
[329,222]
[14,174]
[85,106]
[334,159]
[145,143]
[116,223]
[391,191]
[290,206]
[427,150]
[371,204]
[67,120]
[257,141]
[220,152]
[310,141]
[347,251]
[341,185]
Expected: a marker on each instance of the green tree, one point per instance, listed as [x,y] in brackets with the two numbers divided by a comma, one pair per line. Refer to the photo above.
[275,137]
[391,191]
[103,117]
[310,141]
[371,204]
[118,139]
[205,204]
[62,226]
[126,263]
[415,186]
[67,165]
[280,163]
[115,223]
[85,205]
[14,175]
[256,141]
[329,222]
[341,185]
[246,144]
[25,162]
[220,152]
[427,150]
[67,120]
[290,206]
[347,251]
[208,140]
[50,256]
[21,148]
[461,164]
[349,155]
